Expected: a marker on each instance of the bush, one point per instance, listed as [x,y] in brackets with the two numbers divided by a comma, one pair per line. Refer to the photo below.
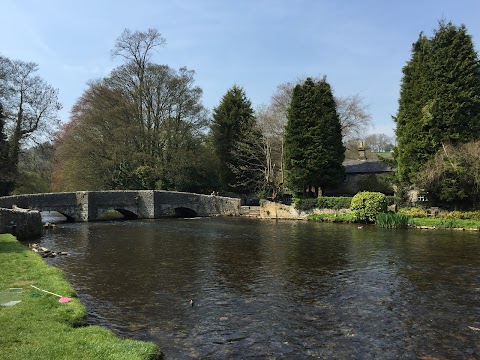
[464,215]
[366,205]
[305,204]
[413,212]
[334,202]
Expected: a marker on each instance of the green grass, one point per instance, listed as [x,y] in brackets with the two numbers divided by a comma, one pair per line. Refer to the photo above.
[39,327]
[342,217]
[401,219]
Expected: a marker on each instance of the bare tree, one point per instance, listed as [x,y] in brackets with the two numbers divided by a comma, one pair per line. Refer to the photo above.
[137,46]
[354,116]
[379,143]
[271,123]
[141,127]
[30,104]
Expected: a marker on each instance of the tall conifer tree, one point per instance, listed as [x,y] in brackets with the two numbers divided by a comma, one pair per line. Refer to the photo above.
[233,121]
[313,139]
[439,98]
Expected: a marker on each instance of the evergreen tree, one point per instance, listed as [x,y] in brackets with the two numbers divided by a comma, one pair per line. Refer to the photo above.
[233,123]
[313,139]
[439,98]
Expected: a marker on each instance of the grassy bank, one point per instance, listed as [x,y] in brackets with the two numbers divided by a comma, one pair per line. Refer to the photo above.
[445,223]
[419,222]
[39,327]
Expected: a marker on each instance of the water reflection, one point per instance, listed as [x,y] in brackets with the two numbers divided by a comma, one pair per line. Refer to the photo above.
[278,289]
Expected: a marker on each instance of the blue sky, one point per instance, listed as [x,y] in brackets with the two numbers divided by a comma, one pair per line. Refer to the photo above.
[361,46]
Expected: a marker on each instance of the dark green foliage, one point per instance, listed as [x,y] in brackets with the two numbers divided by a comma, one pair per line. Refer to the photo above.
[314,151]
[233,137]
[305,204]
[323,202]
[439,98]
[334,202]
[366,205]
[375,182]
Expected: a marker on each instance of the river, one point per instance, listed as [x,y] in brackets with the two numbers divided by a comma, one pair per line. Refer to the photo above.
[277,289]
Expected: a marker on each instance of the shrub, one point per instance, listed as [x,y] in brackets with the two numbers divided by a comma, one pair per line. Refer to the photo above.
[366,205]
[453,215]
[392,220]
[304,204]
[413,212]
[464,215]
[334,202]
[390,200]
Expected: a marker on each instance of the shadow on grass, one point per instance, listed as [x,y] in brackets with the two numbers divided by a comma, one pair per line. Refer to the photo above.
[9,247]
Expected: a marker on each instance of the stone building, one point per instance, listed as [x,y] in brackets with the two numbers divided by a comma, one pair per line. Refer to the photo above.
[364,174]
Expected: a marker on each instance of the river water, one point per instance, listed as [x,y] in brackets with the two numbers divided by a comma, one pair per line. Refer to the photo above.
[286,289]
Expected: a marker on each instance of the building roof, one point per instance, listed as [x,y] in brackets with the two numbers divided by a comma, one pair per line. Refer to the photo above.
[367,166]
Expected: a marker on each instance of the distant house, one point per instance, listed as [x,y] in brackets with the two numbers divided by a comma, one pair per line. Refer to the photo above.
[364,174]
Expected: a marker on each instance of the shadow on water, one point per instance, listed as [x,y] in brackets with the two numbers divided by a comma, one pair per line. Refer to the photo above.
[277,289]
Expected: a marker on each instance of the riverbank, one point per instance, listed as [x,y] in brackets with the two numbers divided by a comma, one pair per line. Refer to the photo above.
[415,222]
[35,325]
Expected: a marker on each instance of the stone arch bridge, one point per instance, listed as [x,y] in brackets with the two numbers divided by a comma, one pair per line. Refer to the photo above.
[141,204]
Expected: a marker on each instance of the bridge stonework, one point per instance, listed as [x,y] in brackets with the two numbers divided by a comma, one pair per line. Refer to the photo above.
[142,204]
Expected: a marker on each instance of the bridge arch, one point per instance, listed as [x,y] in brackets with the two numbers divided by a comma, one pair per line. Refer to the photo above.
[57,215]
[185,212]
[127,215]
[116,214]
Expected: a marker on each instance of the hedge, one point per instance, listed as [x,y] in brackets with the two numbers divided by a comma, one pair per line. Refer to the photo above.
[304,204]
[334,202]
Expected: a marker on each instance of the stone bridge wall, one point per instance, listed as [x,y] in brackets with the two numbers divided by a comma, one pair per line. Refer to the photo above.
[144,204]
[204,205]
[74,205]
[22,223]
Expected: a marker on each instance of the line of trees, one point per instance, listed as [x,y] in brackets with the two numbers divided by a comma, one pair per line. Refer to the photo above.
[144,127]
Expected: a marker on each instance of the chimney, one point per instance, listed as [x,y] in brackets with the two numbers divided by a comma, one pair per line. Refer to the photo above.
[361,151]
